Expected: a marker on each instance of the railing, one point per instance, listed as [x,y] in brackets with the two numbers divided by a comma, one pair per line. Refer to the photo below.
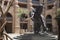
[35,2]
[48,21]
[22,0]
[50,2]
[6,37]
[9,19]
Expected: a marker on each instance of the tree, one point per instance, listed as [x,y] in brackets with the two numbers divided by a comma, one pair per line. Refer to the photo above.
[3,11]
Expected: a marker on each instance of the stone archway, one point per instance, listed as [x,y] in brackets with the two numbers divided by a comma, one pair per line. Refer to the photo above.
[8,26]
[23,23]
[49,22]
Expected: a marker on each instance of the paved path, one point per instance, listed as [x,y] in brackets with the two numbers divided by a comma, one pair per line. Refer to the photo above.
[34,37]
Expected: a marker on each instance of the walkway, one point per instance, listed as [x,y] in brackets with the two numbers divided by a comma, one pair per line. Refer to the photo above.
[32,36]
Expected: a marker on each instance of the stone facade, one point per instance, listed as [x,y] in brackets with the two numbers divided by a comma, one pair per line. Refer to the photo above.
[47,12]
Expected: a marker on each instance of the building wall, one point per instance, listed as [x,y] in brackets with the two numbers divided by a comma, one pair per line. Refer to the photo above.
[16,20]
[46,12]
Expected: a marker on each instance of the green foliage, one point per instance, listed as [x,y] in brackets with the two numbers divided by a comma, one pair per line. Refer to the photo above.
[22,10]
[58,11]
[58,16]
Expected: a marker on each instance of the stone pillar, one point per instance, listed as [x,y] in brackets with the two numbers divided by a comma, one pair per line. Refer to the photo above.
[54,26]
[54,23]
[16,19]
[57,3]
[29,5]
[44,7]
[13,25]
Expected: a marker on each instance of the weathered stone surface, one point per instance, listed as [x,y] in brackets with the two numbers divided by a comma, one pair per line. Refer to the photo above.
[34,37]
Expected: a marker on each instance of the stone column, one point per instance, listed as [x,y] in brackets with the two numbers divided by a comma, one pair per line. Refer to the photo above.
[41,1]
[16,19]
[13,25]
[54,22]
[54,25]
[58,3]
[29,5]
[44,7]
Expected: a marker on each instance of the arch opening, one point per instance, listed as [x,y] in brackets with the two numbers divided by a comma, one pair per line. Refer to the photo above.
[49,22]
[8,17]
[8,26]
[24,22]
